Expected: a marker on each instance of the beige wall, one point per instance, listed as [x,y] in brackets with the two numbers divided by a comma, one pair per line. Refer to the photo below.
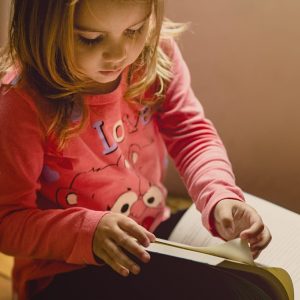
[244,57]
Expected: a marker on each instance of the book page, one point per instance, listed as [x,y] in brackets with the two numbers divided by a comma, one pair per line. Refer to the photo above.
[190,231]
[282,252]
[237,249]
[284,249]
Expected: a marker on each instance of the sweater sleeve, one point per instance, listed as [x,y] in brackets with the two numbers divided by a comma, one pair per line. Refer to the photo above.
[25,230]
[194,145]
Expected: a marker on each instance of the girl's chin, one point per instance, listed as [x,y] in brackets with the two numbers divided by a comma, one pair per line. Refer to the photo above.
[108,76]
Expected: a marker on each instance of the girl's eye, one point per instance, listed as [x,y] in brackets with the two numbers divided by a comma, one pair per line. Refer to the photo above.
[133,32]
[90,42]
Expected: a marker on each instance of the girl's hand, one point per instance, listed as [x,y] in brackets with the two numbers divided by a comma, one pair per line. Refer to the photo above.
[116,232]
[234,219]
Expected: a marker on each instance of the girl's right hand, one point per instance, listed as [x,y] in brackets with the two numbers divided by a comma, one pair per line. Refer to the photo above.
[116,232]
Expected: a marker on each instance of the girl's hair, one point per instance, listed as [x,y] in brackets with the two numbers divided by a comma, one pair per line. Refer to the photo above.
[40,47]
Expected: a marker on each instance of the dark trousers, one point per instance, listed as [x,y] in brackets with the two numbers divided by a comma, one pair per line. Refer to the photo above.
[164,277]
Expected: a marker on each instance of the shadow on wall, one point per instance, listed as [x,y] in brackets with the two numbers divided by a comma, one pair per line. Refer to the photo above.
[244,57]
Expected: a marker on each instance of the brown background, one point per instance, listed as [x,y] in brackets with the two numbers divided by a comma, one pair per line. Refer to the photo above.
[244,56]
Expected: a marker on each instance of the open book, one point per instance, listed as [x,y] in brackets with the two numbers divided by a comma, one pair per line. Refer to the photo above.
[272,272]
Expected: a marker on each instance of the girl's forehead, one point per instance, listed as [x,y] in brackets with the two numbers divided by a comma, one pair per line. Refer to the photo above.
[110,14]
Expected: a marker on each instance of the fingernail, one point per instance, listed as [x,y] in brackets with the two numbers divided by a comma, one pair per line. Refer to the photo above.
[125,273]
[146,243]
[135,270]
[145,257]
[243,237]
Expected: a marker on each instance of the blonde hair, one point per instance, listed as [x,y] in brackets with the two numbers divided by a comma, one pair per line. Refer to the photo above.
[41,47]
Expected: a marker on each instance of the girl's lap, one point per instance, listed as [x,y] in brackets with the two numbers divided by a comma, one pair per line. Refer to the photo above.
[164,277]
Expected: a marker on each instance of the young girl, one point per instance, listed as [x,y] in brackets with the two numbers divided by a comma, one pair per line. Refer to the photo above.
[92,92]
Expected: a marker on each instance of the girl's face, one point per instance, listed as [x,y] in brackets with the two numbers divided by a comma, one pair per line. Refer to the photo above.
[109,36]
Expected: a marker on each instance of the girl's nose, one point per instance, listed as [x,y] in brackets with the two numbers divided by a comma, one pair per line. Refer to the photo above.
[115,53]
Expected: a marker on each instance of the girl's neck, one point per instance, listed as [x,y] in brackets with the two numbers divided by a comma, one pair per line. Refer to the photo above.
[105,88]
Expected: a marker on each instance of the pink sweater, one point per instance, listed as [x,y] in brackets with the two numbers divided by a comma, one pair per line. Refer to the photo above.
[51,201]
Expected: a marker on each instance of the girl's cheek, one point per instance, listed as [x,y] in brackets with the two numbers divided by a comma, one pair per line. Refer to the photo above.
[85,55]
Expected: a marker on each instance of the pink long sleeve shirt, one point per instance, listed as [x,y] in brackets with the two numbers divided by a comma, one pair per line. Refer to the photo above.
[51,201]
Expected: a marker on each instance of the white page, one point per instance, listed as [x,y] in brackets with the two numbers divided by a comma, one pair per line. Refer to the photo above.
[283,251]
[189,230]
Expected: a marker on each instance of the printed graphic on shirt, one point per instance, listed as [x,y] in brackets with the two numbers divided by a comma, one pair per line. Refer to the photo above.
[121,186]
[122,192]
[128,124]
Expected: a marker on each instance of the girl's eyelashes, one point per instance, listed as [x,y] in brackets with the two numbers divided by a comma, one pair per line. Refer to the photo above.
[130,33]
[89,42]
[134,32]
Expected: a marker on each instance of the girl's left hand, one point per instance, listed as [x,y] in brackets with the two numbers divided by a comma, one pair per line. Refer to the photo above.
[235,219]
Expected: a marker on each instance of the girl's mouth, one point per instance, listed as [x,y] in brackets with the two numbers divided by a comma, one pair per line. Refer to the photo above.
[110,72]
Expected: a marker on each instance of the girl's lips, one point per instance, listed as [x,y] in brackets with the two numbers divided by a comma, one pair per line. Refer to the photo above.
[110,72]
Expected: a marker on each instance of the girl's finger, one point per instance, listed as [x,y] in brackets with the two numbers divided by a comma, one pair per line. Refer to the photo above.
[113,264]
[151,236]
[255,254]
[130,244]
[263,243]
[255,240]
[255,229]
[140,233]
[117,255]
